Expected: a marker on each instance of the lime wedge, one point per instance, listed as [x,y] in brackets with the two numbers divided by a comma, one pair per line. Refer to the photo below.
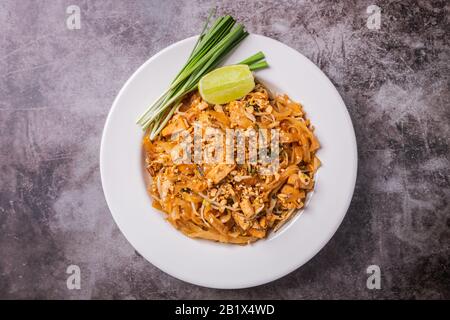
[226,84]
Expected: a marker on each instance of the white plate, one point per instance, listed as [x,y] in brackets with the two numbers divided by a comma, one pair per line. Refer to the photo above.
[213,264]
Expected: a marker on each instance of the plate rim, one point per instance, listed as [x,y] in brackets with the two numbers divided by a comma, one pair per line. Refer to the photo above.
[275,276]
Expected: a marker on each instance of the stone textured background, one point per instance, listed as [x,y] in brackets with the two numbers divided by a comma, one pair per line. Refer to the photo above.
[56,88]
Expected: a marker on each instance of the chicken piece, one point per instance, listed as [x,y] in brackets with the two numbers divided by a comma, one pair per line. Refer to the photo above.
[294,180]
[175,125]
[289,190]
[241,221]
[287,137]
[247,209]
[263,222]
[291,197]
[219,172]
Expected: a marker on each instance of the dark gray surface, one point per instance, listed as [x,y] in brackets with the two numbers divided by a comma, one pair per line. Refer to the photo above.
[56,88]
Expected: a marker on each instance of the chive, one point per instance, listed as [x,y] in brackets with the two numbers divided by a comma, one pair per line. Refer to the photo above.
[252,59]
[156,130]
[222,45]
[258,65]
[205,27]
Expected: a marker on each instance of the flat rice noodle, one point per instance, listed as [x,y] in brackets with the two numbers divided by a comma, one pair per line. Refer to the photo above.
[216,223]
[277,183]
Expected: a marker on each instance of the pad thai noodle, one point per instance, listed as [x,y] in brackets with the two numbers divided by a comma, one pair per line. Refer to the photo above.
[233,202]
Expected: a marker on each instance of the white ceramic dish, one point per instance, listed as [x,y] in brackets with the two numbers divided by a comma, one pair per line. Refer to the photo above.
[213,264]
